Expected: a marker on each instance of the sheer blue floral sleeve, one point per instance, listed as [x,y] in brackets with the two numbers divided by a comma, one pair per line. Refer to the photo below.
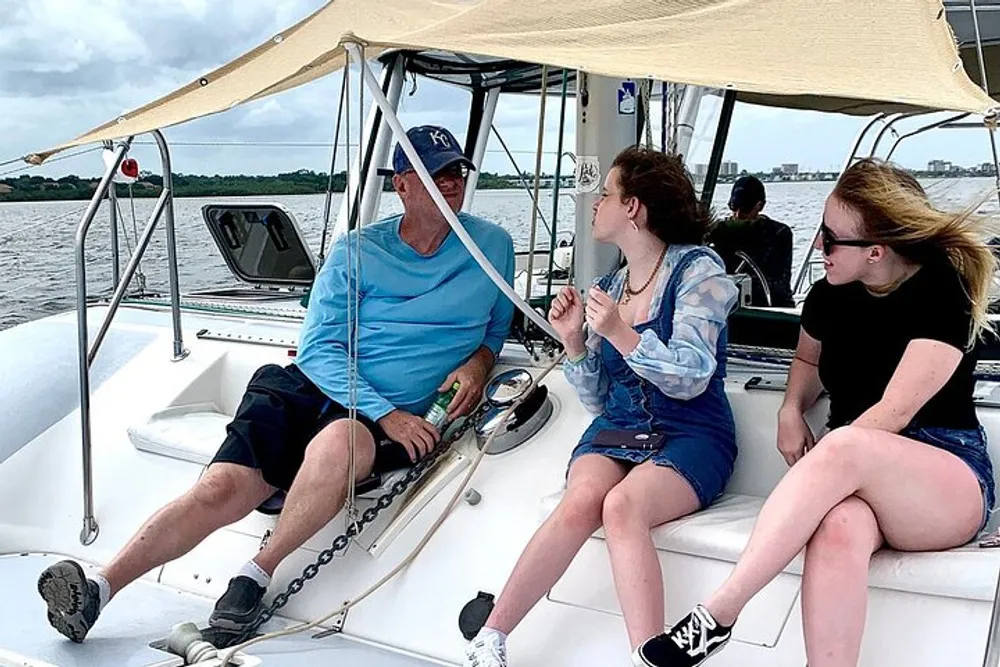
[589,378]
[682,366]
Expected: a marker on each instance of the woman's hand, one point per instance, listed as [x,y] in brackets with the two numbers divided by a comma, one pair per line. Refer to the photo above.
[795,438]
[602,313]
[566,317]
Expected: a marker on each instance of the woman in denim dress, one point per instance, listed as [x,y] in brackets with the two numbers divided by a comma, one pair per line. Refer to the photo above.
[889,334]
[652,367]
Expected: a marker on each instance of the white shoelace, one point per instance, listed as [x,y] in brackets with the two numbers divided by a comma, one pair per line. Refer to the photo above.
[487,651]
[693,635]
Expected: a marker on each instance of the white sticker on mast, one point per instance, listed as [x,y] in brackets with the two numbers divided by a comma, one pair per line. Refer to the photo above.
[588,174]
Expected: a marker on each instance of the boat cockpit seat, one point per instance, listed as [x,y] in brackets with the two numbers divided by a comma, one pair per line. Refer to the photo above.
[194,432]
[721,532]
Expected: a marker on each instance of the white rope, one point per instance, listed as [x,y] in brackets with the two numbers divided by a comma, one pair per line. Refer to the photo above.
[455,498]
[352,378]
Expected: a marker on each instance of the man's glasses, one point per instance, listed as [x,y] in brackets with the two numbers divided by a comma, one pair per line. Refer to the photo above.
[458,171]
[830,241]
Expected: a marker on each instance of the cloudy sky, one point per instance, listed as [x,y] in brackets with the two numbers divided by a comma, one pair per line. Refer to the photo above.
[69,65]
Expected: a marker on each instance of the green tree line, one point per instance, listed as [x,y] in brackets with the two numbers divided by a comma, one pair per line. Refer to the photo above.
[302,182]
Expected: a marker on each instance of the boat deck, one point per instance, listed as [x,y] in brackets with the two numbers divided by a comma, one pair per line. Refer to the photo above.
[141,615]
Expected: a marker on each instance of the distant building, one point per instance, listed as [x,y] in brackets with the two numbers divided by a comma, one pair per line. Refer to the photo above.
[5,189]
[700,170]
[730,169]
[939,166]
[790,168]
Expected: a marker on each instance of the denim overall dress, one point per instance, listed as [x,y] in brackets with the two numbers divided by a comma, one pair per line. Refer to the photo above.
[700,442]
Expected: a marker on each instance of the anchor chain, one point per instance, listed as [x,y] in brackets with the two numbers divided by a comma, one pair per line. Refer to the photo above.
[341,542]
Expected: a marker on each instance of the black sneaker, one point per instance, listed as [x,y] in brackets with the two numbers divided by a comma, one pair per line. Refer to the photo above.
[239,606]
[74,601]
[689,643]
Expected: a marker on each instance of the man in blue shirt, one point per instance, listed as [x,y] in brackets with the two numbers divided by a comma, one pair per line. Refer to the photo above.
[428,316]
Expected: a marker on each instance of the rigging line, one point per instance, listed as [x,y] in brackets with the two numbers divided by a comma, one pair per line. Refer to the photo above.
[359,211]
[39,222]
[328,200]
[520,176]
[351,314]
[12,161]
[53,159]
[296,144]
[34,283]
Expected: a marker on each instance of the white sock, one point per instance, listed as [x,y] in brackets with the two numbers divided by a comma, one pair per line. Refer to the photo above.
[486,631]
[105,590]
[254,571]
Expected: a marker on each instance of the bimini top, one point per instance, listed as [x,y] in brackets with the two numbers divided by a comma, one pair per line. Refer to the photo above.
[823,54]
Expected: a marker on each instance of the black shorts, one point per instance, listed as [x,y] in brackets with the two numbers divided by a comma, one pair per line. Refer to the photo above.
[281,412]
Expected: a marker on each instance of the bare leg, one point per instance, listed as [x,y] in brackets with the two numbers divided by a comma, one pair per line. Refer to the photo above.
[319,490]
[649,496]
[225,493]
[835,584]
[899,478]
[557,541]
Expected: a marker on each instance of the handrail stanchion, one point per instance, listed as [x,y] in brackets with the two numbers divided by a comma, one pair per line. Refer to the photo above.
[90,528]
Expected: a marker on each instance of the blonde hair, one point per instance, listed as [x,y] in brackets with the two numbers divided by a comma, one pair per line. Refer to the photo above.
[896,212]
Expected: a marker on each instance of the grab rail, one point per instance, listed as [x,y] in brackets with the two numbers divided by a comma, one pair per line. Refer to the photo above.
[86,353]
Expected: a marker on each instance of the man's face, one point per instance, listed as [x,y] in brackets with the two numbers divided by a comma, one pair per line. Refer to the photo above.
[417,201]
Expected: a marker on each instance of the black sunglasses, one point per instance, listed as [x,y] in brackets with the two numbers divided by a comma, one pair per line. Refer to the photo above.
[829,240]
[459,170]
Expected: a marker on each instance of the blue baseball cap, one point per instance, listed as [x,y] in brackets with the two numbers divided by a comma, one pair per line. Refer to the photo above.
[436,146]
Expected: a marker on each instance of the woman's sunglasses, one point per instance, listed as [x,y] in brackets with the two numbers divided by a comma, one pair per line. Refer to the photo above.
[830,241]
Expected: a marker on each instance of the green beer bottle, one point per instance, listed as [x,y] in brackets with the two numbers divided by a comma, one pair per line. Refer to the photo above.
[438,412]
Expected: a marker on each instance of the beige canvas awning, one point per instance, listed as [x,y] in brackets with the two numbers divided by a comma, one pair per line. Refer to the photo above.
[810,52]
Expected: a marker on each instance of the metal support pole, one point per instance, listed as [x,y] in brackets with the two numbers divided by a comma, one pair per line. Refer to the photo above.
[115,253]
[718,148]
[133,263]
[663,116]
[90,526]
[555,190]
[538,174]
[921,130]
[992,654]
[479,150]
[986,88]
[801,274]
[369,157]
[890,125]
[175,292]
[435,193]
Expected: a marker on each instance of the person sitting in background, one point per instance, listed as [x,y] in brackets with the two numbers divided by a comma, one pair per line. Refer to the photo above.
[767,242]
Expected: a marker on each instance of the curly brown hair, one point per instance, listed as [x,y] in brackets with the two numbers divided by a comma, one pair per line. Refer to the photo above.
[662,184]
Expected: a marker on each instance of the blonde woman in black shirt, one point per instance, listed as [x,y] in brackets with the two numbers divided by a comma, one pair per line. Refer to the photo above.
[888,334]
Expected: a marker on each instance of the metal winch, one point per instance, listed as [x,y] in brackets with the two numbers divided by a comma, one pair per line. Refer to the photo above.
[528,417]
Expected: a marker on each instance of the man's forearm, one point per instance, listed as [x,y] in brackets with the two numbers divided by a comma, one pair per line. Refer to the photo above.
[484,356]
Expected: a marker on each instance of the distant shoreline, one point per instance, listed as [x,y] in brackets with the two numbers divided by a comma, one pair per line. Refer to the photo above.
[304,182]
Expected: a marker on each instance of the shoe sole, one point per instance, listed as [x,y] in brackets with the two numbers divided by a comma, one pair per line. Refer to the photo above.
[639,661]
[63,587]
[229,624]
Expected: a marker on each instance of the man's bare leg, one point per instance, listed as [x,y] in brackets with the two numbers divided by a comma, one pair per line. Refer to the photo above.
[317,495]
[225,493]
[319,490]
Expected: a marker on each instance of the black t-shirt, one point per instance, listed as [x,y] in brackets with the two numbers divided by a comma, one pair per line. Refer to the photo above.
[769,244]
[864,338]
